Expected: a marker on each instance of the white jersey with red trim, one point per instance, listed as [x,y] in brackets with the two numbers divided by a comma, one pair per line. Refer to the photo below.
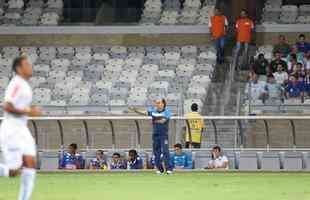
[19,94]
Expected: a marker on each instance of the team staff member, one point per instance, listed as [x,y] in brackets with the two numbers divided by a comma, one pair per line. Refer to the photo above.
[244,28]
[196,126]
[218,24]
[160,119]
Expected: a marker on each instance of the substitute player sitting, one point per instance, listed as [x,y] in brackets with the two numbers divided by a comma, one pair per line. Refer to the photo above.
[99,162]
[134,160]
[72,160]
[179,159]
[17,144]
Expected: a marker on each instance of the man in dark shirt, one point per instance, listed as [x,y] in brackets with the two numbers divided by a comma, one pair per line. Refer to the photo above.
[302,45]
[278,60]
[282,46]
[260,66]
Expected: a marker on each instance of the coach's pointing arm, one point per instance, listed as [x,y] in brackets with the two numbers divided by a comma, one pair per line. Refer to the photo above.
[140,112]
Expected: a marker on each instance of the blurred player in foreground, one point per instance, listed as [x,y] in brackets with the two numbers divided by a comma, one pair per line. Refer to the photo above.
[18,145]
[160,118]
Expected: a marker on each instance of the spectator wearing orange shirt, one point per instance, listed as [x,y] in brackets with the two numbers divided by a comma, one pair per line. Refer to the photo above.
[217,25]
[244,28]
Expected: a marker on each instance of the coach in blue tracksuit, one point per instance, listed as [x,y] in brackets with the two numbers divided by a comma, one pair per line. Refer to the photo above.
[160,119]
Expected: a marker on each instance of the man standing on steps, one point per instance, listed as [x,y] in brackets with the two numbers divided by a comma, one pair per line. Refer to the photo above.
[218,25]
[244,28]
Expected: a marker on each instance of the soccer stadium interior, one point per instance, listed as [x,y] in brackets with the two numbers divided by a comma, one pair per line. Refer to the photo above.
[93,59]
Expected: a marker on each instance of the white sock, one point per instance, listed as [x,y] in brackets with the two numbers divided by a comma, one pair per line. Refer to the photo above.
[4,170]
[27,182]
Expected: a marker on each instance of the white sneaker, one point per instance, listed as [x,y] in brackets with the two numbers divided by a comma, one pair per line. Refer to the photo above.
[169,172]
[159,172]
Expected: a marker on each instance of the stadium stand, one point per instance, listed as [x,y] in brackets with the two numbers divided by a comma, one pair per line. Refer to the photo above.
[30,13]
[106,79]
[276,12]
[177,12]
[114,77]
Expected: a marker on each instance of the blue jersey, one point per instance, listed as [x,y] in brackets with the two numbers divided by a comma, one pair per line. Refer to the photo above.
[158,128]
[180,161]
[120,164]
[69,161]
[98,164]
[295,90]
[136,164]
[303,47]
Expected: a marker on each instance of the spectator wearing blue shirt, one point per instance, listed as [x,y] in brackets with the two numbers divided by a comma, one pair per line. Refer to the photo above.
[302,45]
[117,163]
[134,160]
[99,162]
[71,160]
[295,88]
[160,119]
[179,159]
[307,82]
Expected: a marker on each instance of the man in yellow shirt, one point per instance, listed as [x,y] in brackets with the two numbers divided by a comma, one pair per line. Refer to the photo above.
[195,129]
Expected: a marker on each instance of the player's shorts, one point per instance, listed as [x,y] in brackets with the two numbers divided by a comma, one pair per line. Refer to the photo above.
[16,141]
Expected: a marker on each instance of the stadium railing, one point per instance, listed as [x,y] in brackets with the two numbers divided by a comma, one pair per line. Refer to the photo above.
[291,156]
[214,126]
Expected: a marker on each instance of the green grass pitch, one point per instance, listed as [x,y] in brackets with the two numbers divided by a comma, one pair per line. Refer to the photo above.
[179,186]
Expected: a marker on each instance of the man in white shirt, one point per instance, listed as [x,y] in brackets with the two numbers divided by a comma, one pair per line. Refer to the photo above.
[17,144]
[218,160]
[255,89]
[280,75]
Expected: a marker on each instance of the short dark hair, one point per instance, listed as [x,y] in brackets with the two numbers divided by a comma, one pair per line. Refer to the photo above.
[299,63]
[74,146]
[217,148]
[116,154]
[178,145]
[100,151]
[244,10]
[261,55]
[277,52]
[17,63]
[302,35]
[132,151]
[164,102]
[194,107]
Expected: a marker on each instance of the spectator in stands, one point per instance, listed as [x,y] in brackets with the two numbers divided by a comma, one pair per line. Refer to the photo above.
[218,160]
[291,63]
[280,75]
[278,60]
[282,46]
[99,162]
[298,71]
[261,65]
[218,24]
[244,28]
[273,89]
[307,82]
[295,89]
[117,162]
[295,53]
[72,160]
[302,45]
[179,159]
[134,160]
[196,127]
[307,60]
[256,90]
